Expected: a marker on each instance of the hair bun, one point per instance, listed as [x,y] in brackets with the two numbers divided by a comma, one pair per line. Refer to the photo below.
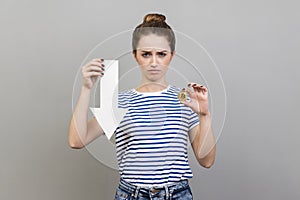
[154,17]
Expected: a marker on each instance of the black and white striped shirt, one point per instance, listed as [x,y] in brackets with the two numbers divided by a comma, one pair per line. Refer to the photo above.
[151,140]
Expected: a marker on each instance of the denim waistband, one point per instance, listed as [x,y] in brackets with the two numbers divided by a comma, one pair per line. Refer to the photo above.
[169,188]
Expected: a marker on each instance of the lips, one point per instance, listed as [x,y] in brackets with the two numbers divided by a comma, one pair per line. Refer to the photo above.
[153,70]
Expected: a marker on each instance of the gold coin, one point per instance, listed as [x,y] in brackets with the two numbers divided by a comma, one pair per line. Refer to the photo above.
[182,95]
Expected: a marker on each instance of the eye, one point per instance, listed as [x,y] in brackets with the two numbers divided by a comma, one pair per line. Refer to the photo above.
[162,54]
[146,54]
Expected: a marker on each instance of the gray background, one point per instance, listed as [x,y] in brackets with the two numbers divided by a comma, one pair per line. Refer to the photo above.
[255,44]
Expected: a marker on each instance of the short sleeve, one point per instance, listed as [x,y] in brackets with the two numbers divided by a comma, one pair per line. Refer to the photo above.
[123,99]
[193,120]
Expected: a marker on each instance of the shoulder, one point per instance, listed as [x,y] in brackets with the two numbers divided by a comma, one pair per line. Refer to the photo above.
[174,89]
[124,97]
[125,92]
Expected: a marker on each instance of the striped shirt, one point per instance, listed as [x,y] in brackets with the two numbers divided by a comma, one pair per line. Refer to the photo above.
[151,139]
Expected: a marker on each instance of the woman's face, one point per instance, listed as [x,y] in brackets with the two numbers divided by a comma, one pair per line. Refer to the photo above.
[153,55]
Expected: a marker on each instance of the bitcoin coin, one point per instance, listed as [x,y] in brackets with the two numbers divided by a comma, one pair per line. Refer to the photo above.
[182,95]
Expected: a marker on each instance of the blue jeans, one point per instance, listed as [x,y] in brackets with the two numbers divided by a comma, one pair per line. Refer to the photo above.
[179,191]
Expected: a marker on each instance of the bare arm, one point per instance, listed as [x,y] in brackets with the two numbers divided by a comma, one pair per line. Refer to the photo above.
[82,131]
[202,136]
[203,142]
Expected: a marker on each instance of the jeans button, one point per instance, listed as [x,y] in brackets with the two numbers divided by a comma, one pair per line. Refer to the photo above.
[153,190]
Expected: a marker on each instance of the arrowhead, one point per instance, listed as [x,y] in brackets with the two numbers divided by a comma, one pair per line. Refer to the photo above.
[104,117]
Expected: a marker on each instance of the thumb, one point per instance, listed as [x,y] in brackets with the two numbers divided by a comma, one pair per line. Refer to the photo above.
[186,103]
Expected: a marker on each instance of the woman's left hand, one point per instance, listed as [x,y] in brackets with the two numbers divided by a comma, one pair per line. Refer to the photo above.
[198,99]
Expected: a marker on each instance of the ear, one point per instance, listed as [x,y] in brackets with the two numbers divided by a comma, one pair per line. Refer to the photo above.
[134,55]
[172,54]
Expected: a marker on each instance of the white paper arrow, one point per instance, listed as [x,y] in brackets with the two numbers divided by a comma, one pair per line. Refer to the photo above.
[108,116]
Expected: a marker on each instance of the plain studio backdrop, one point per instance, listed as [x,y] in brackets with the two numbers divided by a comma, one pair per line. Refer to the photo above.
[255,45]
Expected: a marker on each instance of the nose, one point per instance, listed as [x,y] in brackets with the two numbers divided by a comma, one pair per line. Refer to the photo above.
[153,61]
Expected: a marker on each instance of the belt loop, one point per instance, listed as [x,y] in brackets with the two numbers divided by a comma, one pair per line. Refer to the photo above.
[137,191]
[167,191]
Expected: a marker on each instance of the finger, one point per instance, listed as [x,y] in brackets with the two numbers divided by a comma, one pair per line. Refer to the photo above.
[194,85]
[191,83]
[190,87]
[95,63]
[92,66]
[90,74]
[92,63]
[189,91]
[203,89]
[91,69]
[98,60]
[198,87]
[186,103]
[95,68]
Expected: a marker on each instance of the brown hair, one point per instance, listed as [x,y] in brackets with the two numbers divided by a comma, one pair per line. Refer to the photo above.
[153,24]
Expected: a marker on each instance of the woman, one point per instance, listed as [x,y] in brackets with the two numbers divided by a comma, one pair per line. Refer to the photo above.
[151,140]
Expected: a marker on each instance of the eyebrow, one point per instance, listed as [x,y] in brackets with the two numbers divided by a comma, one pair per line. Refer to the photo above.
[157,51]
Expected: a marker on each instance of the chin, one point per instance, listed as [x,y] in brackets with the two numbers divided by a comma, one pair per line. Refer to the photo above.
[154,77]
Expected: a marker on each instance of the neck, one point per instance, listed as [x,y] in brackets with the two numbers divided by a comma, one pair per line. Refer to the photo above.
[152,86]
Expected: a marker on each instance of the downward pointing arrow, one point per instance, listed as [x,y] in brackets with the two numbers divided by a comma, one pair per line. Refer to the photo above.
[105,114]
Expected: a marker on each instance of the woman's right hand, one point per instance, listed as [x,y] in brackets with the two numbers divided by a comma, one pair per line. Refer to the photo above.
[91,71]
